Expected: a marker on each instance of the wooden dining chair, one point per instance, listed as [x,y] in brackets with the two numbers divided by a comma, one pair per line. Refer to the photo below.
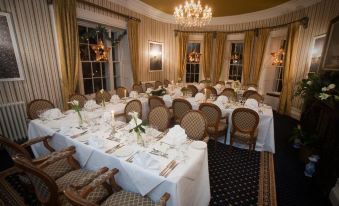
[121,92]
[105,96]
[36,106]
[193,89]
[247,93]
[157,84]
[80,98]
[215,127]
[256,96]
[138,88]
[195,125]
[166,82]
[244,127]
[160,117]
[180,107]
[210,90]
[49,190]
[230,94]
[149,85]
[116,196]
[220,82]
[133,106]
[154,101]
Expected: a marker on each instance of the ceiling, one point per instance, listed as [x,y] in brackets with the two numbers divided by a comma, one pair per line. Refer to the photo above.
[219,7]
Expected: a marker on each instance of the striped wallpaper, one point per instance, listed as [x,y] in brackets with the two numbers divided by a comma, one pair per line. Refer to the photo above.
[33,26]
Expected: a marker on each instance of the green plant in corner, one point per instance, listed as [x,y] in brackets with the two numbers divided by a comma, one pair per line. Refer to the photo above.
[298,136]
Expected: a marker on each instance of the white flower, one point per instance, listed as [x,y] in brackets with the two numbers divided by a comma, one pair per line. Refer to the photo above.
[309,82]
[324,89]
[74,102]
[102,91]
[323,96]
[331,86]
[133,114]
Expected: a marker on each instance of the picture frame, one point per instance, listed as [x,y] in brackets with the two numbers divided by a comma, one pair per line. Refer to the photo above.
[316,51]
[11,66]
[156,57]
[330,56]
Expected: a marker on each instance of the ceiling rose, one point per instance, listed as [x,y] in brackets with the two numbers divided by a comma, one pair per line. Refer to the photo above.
[192,14]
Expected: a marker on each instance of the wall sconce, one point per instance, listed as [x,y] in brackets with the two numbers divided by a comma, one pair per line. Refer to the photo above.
[101,52]
[278,57]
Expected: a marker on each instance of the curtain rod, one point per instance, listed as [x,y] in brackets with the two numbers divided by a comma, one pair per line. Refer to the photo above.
[303,21]
[104,8]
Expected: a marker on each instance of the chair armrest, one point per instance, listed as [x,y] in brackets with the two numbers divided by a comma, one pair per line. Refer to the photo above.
[40,160]
[88,179]
[164,198]
[56,156]
[206,139]
[37,140]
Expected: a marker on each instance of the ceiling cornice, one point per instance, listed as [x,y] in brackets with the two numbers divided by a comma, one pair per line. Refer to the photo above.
[285,8]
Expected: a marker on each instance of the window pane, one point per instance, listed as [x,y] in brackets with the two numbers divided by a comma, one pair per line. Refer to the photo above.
[86,70]
[104,86]
[84,53]
[92,54]
[196,68]
[196,78]
[92,40]
[88,87]
[96,69]
[187,78]
[116,69]
[82,31]
[97,84]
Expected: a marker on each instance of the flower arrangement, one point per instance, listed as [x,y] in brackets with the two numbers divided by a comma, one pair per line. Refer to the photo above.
[137,125]
[102,97]
[329,92]
[236,85]
[76,107]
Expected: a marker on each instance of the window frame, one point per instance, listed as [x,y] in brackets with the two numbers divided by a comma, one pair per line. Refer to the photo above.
[196,38]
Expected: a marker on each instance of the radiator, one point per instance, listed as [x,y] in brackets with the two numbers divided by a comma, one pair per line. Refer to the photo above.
[13,121]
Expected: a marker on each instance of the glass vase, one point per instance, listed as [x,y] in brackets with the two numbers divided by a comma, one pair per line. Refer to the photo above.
[80,118]
[140,141]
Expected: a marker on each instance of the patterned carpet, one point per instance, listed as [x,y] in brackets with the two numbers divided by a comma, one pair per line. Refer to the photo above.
[237,179]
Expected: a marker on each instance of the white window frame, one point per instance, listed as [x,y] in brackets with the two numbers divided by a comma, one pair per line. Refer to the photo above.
[231,38]
[196,38]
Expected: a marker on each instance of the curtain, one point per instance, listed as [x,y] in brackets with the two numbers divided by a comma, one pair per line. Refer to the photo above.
[247,56]
[183,40]
[208,44]
[289,69]
[68,45]
[260,46]
[219,55]
[133,42]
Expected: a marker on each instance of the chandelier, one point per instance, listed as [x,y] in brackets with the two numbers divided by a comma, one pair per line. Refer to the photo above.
[101,52]
[192,14]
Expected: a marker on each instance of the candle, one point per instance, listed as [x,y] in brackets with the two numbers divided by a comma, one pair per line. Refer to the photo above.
[205,90]
[172,82]
[125,93]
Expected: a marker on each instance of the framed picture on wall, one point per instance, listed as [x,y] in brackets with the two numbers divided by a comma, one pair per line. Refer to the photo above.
[11,67]
[155,52]
[316,51]
[330,60]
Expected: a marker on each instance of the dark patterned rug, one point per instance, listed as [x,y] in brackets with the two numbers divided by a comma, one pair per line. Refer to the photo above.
[236,179]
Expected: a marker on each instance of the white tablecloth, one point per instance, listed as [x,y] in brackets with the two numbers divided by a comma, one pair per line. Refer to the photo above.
[188,184]
[265,140]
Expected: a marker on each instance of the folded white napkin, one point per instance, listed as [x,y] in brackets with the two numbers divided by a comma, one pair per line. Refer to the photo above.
[218,86]
[252,104]
[222,98]
[177,92]
[146,161]
[167,98]
[115,98]
[175,136]
[96,142]
[133,94]
[201,86]
[52,114]
[90,104]
[252,88]
[149,90]
[199,97]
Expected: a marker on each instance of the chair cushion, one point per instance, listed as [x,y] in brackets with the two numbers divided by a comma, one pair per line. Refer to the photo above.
[221,128]
[123,198]
[245,136]
[58,169]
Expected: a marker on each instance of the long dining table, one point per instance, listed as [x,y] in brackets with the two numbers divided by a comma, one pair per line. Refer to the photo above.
[187,183]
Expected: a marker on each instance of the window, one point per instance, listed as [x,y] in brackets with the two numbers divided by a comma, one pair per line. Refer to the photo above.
[235,70]
[98,75]
[279,68]
[193,64]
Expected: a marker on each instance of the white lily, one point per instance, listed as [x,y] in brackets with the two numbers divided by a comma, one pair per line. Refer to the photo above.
[331,86]
[309,82]
[323,96]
